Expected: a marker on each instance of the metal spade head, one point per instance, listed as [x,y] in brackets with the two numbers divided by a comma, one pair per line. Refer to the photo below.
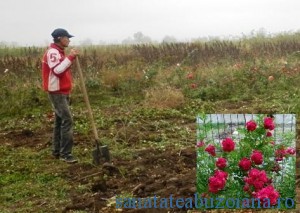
[100,154]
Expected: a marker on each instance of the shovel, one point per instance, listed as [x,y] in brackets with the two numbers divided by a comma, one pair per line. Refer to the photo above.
[101,152]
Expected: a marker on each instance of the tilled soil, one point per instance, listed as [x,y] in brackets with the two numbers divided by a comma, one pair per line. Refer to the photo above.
[151,172]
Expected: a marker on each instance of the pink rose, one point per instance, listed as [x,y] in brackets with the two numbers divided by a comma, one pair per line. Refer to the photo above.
[245,164]
[190,76]
[200,144]
[211,150]
[221,163]
[251,125]
[257,157]
[228,145]
[204,195]
[269,123]
[290,151]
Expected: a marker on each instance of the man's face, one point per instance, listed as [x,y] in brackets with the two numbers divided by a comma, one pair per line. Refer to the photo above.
[64,41]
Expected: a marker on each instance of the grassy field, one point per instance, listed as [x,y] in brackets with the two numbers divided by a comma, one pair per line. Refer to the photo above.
[145,99]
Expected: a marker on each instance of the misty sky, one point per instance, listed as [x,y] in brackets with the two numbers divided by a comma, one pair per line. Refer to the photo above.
[30,22]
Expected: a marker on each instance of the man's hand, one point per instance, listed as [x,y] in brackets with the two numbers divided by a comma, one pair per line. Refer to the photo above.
[74,52]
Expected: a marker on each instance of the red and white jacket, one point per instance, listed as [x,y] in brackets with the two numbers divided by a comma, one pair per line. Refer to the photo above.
[56,72]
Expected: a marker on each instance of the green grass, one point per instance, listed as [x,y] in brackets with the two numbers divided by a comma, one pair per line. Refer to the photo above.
[26,183]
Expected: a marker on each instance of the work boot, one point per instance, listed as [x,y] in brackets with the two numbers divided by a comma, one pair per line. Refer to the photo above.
[69,159]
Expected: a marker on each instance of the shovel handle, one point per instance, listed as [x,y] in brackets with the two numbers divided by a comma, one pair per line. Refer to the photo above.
[86,99]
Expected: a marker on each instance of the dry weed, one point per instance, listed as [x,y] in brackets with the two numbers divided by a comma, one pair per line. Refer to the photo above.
[164,97]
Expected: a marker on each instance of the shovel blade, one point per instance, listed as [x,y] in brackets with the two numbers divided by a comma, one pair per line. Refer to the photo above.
[105,153]
[100,154]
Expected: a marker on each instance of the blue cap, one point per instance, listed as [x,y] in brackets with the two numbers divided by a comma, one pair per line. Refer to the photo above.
[59,32]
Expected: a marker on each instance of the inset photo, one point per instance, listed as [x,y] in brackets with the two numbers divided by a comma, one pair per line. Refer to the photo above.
[246,161]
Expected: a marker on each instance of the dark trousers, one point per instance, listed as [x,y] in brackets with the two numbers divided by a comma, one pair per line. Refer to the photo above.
[63,125]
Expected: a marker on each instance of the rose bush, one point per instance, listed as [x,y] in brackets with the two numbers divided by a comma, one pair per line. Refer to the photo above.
[251,166]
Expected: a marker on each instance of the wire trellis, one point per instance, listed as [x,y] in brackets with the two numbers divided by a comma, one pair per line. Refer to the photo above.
[228,124]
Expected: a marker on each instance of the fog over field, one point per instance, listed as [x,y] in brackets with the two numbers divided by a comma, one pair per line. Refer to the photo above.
[117,21]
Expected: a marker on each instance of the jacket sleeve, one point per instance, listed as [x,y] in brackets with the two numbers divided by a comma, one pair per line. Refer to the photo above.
[56,63]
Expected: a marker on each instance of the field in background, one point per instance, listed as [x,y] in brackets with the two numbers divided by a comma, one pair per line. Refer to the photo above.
[145,99]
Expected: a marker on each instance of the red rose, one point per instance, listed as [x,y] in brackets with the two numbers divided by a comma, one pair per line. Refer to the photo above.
[245,164]
[270,181]
[263,176]
[258,184]
[221,174]
[269,134]
[217,181]
[211,150]
[256,178]
[269,123]
[257,157]
[268,192]
[254,173]
[251,126]
[228,145]
[221,163]
[216,184]
[246,188]
[247,180]
[193,85]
